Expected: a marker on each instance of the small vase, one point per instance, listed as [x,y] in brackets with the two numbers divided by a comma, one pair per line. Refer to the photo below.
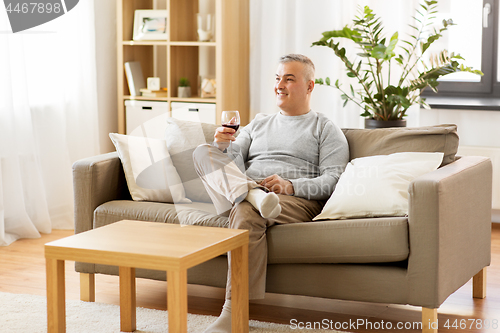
[371,123]
[183,92]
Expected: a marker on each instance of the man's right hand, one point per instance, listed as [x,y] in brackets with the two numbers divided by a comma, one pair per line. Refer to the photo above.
[223,136]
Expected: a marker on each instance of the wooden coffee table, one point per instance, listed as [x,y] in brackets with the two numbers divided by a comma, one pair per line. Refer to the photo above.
[132,244]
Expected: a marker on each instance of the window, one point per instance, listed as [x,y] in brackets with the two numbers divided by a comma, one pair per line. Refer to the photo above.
[475,37]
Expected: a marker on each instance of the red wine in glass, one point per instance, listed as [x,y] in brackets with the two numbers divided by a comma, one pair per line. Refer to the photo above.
[233,126]
[230,119]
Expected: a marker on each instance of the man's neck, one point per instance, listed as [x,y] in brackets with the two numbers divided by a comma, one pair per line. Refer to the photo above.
[294,112]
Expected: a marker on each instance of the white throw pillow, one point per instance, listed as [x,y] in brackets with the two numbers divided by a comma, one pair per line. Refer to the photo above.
[149,171]
[182,138]
[377,185]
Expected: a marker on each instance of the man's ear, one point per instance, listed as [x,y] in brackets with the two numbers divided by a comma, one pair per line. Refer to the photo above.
[310,86]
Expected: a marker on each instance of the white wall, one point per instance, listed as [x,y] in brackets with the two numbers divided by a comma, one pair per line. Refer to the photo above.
[475,129]
[105,26]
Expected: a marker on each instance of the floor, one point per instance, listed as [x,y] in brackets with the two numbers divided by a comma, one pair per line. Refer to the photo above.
[22,270]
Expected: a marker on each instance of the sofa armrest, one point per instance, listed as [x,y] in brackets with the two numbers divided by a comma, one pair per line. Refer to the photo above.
[96,180]
[449,228]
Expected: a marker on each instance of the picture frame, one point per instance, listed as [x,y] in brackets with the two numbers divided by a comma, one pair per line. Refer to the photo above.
[150,24]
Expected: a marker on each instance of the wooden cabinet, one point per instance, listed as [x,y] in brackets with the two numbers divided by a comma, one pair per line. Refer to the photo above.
[181,54]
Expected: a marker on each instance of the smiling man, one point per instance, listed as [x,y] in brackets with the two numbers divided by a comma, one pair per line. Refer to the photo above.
[293,87]
[282,168]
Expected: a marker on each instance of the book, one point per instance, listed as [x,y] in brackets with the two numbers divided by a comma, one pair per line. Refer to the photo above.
[154,93]
[135,78]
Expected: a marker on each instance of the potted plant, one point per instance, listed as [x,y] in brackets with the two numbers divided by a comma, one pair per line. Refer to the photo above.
[383,101]
[184,89]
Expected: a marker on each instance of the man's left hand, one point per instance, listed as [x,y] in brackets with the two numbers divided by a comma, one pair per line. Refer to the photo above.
[278,185]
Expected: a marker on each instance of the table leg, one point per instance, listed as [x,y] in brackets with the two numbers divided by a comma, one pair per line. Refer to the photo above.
[87,287]
[239,289]
[177,301]
[127,299]
[56,308]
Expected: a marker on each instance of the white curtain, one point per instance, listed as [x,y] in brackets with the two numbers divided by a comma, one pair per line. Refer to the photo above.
[279,27]
[48,119]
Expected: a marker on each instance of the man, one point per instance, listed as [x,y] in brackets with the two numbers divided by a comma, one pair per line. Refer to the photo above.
[291,162]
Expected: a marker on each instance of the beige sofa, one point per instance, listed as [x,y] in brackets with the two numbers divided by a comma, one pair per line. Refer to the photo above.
[419,259]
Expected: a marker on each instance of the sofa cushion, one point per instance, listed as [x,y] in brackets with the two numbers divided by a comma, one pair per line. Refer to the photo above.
[384,141]
[182,138]
[148,169]
[193,214]
[341,241]
[376,186]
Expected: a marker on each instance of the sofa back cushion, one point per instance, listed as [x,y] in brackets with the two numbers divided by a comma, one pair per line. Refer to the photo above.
[385,141]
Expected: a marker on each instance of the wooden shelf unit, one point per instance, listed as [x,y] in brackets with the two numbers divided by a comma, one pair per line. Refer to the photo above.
[178,56]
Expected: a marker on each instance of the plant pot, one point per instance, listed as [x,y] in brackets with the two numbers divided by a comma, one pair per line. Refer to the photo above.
[183,92]
[371,123]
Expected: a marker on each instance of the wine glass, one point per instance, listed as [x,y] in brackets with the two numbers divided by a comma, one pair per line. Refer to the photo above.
[230,119]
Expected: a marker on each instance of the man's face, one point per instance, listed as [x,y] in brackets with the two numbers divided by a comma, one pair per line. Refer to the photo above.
[291,88]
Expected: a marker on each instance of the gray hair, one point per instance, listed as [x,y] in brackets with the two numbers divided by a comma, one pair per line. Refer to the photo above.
[308,64]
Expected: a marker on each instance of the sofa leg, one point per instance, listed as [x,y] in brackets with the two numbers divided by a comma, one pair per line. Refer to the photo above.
[429,320]
[87,287]
[479,284]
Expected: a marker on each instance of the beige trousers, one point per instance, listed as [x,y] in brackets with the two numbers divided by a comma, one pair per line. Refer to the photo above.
[226,182]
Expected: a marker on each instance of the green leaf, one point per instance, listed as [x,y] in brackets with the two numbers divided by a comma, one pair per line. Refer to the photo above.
[429,42]
[346,32]
[456,56]
[352,91]
[350,74]
[424,104]
[364,55]
[378,51]
[389,52]
[377,27]
[392,90]
[327,81]
[407,42]
[366,114]
[337,85]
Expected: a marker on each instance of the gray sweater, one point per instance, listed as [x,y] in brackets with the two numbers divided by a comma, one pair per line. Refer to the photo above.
[308,150]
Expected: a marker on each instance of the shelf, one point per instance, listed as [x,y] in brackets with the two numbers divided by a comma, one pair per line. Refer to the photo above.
[145,42]
[143,98]
[193,43]
[164,43]
[183,56]
[172,99]
[193,100]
